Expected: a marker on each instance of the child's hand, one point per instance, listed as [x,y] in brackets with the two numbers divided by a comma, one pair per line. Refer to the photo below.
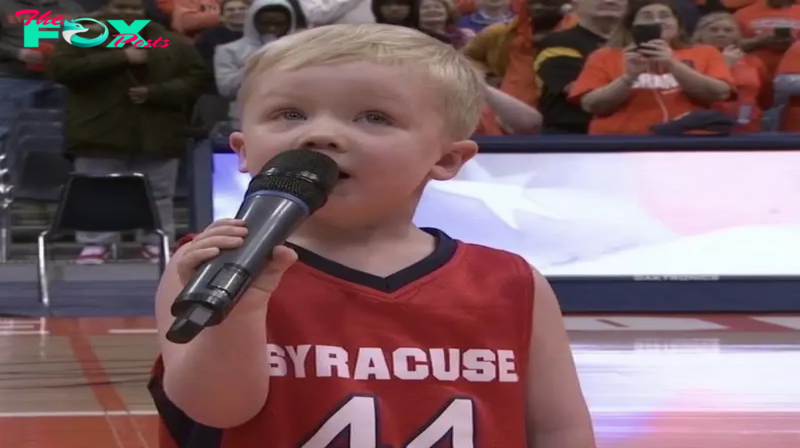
[229,234]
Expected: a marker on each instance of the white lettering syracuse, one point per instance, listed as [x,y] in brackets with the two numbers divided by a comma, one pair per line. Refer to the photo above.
[405,363]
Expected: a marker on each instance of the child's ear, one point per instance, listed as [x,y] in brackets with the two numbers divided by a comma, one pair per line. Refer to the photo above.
[453,159]
[236,142]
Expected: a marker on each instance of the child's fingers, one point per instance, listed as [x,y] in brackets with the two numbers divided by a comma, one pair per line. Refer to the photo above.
[218,241]
[282,258]
[225,222]
[228,230]
[191,260]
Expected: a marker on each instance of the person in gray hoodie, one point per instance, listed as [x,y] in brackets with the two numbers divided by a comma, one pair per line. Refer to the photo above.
[267,21]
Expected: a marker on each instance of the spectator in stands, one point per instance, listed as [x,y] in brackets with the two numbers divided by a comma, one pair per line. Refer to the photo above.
[397,12]
[91,5]
[689,14]
[506,51]
[233,13]
[711,6]
[720,30]
[152,11]
[266,21]
[191,17]
[127,112]
[506,115]
[161,9]
[629,88]
[768,28]
[488,12]
[22,70]
[439,18]
[329,12]
[561,58]
[789,101]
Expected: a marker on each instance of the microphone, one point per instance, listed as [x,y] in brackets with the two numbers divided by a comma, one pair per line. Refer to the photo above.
[289,188]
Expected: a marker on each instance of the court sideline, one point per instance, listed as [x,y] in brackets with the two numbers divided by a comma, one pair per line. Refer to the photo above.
[651,381]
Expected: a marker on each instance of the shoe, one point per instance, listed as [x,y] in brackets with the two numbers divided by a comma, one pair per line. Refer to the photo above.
[151,253]
[92,254]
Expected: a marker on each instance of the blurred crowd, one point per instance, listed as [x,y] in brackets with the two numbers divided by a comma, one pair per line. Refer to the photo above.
[662,67]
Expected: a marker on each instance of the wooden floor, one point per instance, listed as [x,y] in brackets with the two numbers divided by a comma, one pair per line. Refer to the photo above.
[651,382]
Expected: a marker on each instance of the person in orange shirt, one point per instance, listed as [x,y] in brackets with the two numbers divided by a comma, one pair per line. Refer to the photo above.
[768,29]
[720,30]
[629,88]
[506,115]
[790,65]
[507,50]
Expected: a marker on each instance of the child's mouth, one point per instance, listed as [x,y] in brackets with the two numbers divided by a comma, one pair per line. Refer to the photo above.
[343,176]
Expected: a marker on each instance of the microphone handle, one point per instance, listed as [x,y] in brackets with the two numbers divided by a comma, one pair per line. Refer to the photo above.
[271,217]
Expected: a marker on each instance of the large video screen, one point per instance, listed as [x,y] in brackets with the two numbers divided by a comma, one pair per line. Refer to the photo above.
[651,216]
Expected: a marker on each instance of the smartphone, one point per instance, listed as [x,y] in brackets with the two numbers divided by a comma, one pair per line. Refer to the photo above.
[645,33]
[782,32]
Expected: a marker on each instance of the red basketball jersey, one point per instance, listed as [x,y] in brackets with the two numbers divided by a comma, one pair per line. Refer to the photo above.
[432,356]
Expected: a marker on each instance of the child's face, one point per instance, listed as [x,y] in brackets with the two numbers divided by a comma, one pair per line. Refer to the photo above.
[382,125]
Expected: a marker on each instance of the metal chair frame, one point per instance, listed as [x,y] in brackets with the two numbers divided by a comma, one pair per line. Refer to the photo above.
[44,236]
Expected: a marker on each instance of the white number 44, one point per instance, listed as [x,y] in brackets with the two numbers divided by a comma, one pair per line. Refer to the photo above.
[358,418]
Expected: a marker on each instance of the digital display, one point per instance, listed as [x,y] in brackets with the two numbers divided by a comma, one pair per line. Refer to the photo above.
[692,215]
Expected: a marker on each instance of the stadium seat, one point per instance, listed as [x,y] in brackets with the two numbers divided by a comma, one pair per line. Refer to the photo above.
[34,169]
[38,168]
[112,203]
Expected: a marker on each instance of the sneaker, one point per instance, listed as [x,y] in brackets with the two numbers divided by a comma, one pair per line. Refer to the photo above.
[151,253]
[92,255]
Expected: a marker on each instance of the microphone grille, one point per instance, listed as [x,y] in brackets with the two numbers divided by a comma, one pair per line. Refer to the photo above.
[307,175]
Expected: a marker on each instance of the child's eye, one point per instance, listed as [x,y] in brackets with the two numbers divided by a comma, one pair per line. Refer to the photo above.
[376,118]
[291,115]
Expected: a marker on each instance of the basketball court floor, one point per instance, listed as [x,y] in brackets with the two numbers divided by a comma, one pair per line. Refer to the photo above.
[651,382]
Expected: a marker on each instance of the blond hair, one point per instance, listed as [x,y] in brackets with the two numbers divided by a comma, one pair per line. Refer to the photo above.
[462,87]
[710,19]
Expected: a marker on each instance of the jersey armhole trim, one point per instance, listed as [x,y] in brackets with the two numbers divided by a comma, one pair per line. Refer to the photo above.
[176,429]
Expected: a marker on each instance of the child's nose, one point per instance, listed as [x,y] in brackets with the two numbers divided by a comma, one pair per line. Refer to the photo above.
[321,141]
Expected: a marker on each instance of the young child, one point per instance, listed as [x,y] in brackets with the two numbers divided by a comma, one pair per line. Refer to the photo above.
[382,334]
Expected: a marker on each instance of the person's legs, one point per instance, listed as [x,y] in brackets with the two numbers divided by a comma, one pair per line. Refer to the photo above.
[16,94]
[96,244]
[162,175]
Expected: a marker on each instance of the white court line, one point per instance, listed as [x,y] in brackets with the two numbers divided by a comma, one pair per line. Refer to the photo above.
[132,331]
[75,414]
[14,325]
[23,333]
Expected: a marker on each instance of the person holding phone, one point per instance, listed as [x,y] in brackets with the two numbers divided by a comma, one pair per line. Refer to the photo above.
[769,27]
[649,74]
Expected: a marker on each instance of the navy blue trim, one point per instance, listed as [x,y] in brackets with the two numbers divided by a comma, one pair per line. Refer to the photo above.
[442,253]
